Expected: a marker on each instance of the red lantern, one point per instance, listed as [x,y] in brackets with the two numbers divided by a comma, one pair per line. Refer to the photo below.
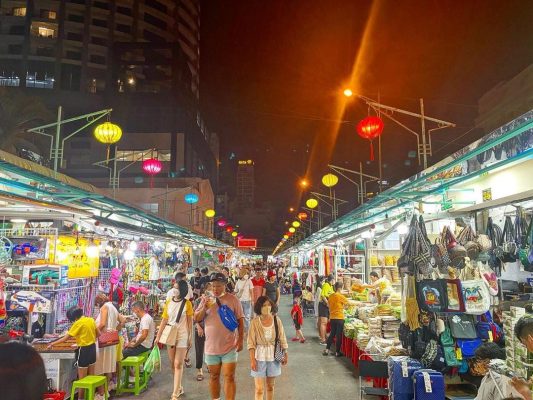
[370,128]
[229,229]
[152,167]
[302,216]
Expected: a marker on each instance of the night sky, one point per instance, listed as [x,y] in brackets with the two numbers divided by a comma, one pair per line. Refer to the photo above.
[272,73]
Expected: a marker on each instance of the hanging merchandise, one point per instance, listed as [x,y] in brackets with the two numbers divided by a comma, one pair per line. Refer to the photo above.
[462,326]
[467,237]
[412,309]
[455,296]
[405,262]
[456,250]
[476,296]
[432,295]
[525,253]
[508,243]
[423,260]
[494,233]
[490,278]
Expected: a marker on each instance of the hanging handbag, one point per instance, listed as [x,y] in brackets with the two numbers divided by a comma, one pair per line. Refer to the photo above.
[476,296]
[467,238]
[405,261]
[422,259]
[490,278]
[432,295]
[454,292]
[496,251]
[462,326]
[456,250]
[510,249]
[469,346]
[279,352]
[484,243]
[526,249]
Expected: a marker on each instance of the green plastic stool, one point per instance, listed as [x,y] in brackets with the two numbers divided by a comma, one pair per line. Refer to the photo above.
[141,379]
[90,383]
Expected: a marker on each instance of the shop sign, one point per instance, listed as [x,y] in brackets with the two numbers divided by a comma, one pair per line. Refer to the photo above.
[487,194]
[246,243]
[72,251]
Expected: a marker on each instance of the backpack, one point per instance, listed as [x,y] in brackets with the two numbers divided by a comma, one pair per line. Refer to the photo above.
[227,316]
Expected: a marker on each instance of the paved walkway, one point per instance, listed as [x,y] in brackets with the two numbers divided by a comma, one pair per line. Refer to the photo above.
[308,376]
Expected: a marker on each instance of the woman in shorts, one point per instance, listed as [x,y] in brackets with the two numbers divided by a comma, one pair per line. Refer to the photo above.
[84,331]
[261,344]
[175,331]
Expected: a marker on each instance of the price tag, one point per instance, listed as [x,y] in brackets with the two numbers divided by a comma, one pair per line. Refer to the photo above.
[427,382]
[458,354]
[491,339]
[405,370]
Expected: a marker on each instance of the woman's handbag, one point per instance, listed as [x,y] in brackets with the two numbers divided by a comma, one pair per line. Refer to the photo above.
[454,293]
[462,326]
[279,352]
[525,253]
[107,339]
[432,295]
[456,250]
[496,252]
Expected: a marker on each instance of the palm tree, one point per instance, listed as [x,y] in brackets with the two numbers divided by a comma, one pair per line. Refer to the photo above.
[18,113]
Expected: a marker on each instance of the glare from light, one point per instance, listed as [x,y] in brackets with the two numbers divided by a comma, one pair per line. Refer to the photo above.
[403,229]
[129,255]
[367,234]
[348,92]
[92,251]
[133,246]
[19,221]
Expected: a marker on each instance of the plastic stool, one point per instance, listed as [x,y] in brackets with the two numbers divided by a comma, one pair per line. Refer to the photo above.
[90,383]
[141,379]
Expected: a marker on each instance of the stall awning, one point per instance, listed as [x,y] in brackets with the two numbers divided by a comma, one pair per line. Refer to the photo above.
[25,181]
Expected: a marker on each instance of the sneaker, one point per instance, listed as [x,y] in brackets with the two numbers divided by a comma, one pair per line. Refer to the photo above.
[323,343]
[325,353]
[295,339]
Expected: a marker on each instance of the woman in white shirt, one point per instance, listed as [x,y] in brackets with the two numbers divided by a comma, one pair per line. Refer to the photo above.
[261,344]
[244,290]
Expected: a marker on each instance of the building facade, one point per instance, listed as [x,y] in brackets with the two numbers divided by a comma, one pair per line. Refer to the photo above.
[137,57]
[245,196]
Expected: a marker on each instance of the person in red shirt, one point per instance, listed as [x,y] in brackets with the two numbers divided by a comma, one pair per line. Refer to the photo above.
[298,320]
[258,281]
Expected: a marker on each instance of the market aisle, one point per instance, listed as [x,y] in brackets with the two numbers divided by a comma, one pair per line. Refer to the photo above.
[309,375]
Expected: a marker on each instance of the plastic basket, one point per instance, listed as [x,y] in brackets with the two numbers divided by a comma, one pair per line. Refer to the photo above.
[55,396]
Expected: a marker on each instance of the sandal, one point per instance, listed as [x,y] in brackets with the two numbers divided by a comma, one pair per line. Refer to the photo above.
[188,363]
[177,396]
[200,377]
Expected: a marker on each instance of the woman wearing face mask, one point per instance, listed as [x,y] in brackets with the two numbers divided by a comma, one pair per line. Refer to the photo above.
[244,291]
[261,344]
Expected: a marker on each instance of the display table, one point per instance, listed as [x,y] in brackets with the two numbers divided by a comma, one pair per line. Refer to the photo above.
[59,365]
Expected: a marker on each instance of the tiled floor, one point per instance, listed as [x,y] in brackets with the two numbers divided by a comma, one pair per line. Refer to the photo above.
[308,376]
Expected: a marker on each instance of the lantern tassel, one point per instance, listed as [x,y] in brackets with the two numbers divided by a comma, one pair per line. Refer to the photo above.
[371,151]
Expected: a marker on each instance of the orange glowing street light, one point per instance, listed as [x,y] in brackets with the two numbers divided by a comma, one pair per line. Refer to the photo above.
[291,209]
[348,92]
[304,183]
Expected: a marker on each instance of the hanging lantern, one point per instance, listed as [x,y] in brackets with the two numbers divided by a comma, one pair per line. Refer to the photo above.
[108,134]
[330,180]
[296,224]
[370,128]
[222,223]
[191,198]
[234,234]
[311,203]
[285,237]
[210,213]
[152,167]
[292,230]
[229,229]
[302,216]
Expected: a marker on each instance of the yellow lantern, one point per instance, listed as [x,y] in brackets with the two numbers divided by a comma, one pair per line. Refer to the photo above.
[311,203]
[234,234]
[330,180]
[296,224]
[292,230]
[210,213]
[285,237]
[108,133]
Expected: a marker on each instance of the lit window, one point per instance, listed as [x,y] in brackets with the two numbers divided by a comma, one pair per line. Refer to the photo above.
[19,12]
[46,32]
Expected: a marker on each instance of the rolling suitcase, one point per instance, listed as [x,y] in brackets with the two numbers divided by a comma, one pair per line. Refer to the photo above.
[401,370]
[428,384]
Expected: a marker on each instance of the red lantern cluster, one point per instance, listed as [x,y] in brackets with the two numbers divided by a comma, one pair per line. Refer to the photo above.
[370,128]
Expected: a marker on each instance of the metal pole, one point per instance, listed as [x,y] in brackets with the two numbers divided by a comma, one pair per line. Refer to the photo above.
[57,138]
[362,191]
[423,121]
[380,165]
[115,173]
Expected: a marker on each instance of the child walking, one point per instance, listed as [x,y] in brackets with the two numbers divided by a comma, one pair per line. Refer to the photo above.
[298,319]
